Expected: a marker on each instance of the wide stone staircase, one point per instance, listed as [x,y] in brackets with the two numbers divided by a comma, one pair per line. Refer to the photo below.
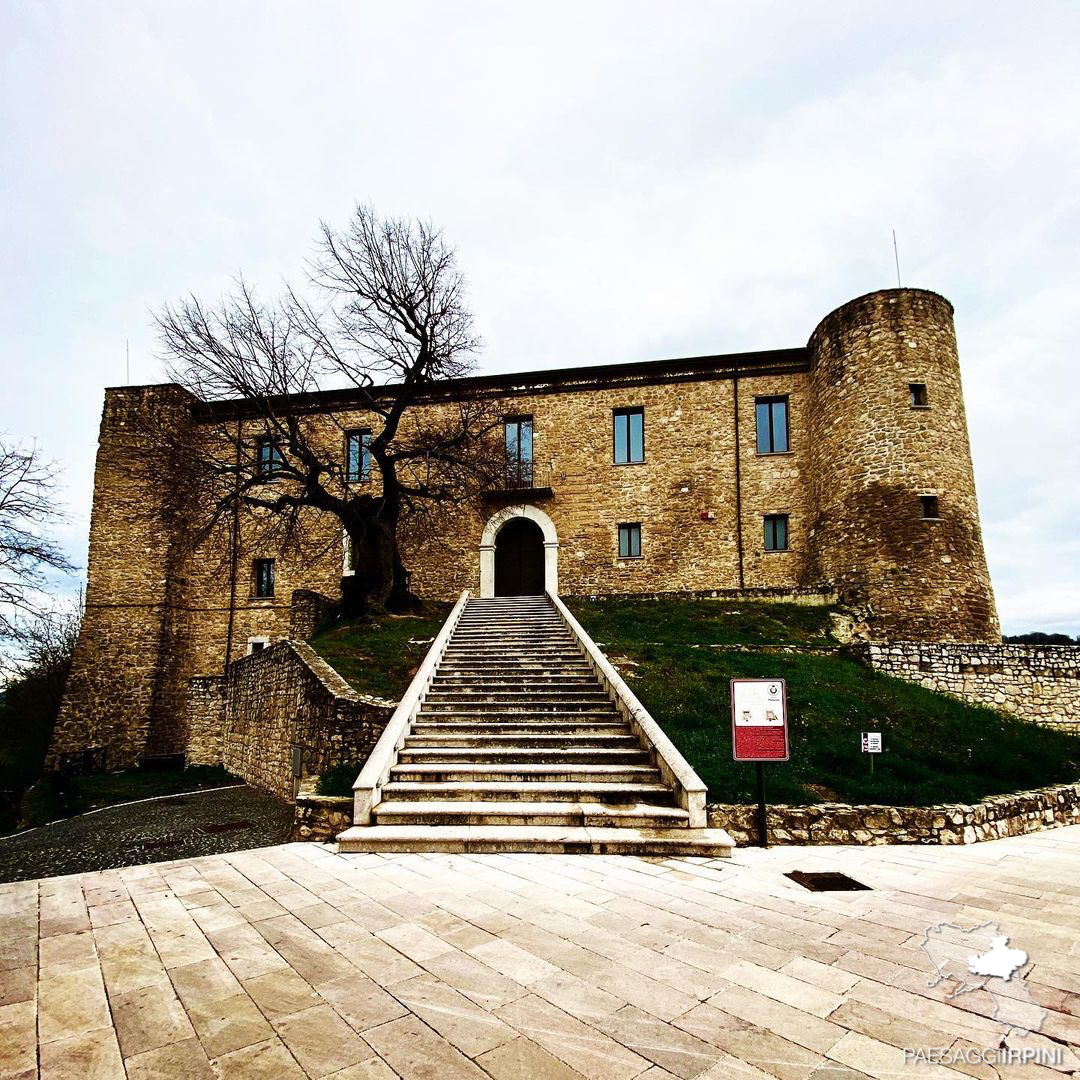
[518,745]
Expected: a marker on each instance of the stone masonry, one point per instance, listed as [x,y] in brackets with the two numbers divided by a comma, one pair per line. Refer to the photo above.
[952,823]
[1036,682]
[161,612]
[282,697]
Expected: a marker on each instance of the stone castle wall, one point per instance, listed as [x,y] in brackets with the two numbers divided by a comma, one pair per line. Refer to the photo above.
[952,823]
[874,454]
[161,613]
[1036,682]
[127,687]
[250,719]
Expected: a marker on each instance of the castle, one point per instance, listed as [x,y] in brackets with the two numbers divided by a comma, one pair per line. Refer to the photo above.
[838,468]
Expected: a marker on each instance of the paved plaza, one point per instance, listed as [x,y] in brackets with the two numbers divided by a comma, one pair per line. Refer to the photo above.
[293,961]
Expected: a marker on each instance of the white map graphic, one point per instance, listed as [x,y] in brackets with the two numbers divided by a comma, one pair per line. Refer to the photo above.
[958,953]
[1000,962]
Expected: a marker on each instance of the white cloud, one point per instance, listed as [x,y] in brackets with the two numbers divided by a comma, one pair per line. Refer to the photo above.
[623,181]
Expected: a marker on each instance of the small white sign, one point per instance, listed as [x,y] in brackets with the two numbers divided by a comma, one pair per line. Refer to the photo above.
[871,742]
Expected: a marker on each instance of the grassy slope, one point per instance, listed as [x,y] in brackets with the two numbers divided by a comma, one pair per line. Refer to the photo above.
[936,749]
[379,655]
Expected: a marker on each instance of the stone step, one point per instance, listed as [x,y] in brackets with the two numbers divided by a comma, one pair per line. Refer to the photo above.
[522,755]
[477,703]
[537,773]
[530,813]
[513,668]
[537,742]
[522,727]
[550,720]
[494,650]
[538,791]
[479,839]
[523,684]
[526,624]
[483,698]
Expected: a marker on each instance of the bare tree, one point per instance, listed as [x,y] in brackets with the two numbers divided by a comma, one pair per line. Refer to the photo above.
[28,507]
[390,324]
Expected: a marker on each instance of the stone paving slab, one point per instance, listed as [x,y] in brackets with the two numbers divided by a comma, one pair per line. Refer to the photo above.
[296,961]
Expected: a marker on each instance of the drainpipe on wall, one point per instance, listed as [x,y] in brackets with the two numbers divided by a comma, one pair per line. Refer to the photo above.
[738,481]
[234,553]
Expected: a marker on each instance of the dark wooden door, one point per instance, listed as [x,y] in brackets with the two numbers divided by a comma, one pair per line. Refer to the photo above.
[519,559]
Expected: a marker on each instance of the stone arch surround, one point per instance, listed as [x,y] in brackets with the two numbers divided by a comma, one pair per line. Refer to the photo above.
[487,546]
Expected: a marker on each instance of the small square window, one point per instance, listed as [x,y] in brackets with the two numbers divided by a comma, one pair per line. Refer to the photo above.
[776,532]
[256,644]
[263,570]
[629,436]
[929,507]
[772,425]
[357,456]
[630,541]
[917,393]
[269,462]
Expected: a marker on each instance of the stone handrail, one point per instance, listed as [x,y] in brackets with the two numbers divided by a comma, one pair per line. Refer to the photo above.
[384,755]
[674,768]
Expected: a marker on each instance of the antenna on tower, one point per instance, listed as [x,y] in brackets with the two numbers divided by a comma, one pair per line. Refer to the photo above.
[127,361]
[896,256]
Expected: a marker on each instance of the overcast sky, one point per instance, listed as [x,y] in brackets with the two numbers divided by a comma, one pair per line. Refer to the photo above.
[623,181]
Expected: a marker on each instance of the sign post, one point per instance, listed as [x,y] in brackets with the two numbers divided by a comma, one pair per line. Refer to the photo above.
[759,732]
[871,744]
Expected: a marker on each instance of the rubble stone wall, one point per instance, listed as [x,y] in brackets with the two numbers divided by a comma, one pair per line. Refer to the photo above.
[1036,682]
[320,818]
[286,696]
[953,823]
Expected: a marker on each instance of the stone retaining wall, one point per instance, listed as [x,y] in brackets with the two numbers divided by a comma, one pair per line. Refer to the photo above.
[806,596]
[320,818]
[953,823]
[250,719]
[1036,682]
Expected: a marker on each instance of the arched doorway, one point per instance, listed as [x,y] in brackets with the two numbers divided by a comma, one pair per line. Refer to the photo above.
[519,559]
[516,543]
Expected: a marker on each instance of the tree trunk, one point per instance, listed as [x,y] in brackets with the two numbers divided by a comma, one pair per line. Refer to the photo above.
[379,577]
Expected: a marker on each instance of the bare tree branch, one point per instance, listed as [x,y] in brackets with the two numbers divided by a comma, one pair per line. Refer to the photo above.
[28,507]
[389,323]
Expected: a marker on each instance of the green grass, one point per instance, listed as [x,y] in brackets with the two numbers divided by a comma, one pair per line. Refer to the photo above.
[52,797]
[936,749]
[338,779]
[379,654]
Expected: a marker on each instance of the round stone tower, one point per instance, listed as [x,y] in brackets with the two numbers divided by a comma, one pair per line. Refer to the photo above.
[895,521]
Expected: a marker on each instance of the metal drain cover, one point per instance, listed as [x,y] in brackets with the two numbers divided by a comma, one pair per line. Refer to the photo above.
[825,881]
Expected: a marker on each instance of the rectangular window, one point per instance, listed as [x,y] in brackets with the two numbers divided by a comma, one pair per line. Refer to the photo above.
[519,452]
[268,459]
[629,436]
[357,456]
[772,425]
[776,530]
[917,391]
[630,541]
[264,577]
[929,506]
